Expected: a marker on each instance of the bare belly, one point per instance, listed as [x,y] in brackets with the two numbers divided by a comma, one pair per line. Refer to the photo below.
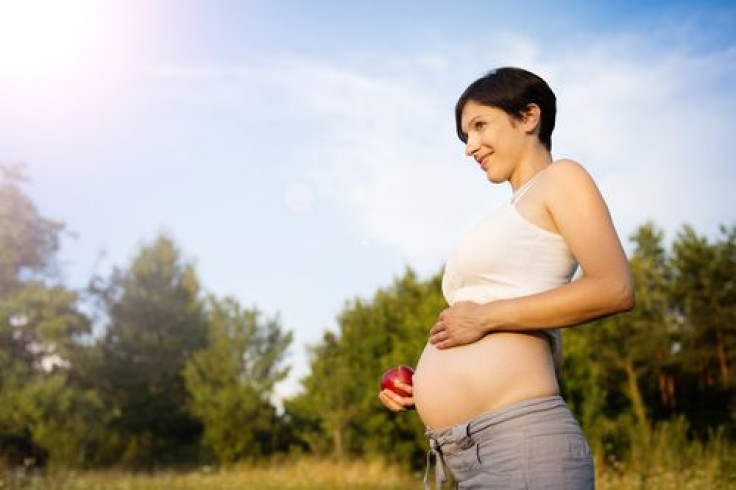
[458,384]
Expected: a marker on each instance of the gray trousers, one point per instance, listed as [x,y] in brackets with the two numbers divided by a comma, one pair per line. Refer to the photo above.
[530,445]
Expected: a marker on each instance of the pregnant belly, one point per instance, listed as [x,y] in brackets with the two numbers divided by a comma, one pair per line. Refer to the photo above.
[461,383]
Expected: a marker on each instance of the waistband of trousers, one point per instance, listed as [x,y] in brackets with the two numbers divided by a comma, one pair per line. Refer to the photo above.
[459,433]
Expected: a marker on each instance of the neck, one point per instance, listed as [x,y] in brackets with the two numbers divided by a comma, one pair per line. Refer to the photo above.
[536,159]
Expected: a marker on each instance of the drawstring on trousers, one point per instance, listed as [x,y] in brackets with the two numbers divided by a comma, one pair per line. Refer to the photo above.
[459,436]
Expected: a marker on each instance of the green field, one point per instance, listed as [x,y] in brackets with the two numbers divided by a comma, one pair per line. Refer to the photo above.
[324,474]
[301,474]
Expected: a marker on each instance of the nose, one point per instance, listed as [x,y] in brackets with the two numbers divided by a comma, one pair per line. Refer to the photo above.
[471,145]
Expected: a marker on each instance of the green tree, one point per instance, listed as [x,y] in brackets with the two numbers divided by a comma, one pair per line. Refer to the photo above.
[704,292]
[63,419]
[28,241]
[232,380]
[329,405]
[339,410]
[156,322]
[612,367]
[40,331]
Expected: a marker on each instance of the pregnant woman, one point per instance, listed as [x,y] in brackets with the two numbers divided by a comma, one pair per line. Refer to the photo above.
[486,384]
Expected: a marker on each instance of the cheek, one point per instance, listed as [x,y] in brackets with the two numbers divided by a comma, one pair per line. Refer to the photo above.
[490,135]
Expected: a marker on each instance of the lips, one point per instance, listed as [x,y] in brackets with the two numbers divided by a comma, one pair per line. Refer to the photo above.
[484,161]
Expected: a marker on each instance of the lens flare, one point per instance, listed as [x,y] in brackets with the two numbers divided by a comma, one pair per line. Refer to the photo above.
[39,37]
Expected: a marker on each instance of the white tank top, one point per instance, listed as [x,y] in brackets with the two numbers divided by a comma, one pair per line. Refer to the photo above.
[506,256]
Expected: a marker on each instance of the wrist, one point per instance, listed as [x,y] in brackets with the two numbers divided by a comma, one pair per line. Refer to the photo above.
[496,314]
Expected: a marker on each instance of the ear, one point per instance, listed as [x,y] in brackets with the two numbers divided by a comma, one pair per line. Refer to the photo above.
[532,119]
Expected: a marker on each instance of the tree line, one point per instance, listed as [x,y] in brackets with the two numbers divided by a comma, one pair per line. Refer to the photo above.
[144,369]
[174,376]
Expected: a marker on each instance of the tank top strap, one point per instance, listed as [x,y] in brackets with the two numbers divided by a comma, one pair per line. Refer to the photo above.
[519,193]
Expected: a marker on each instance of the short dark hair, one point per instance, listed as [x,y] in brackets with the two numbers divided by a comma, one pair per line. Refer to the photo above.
[512,90]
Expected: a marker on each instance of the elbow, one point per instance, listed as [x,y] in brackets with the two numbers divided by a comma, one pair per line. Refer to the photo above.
[626,299]
[616,295]
[628,302]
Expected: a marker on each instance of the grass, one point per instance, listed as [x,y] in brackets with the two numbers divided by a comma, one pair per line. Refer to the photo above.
[665,458]
[305,473]
[298,474]
[659,479]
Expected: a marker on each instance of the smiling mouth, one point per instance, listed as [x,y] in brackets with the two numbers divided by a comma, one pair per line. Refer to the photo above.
[483,163]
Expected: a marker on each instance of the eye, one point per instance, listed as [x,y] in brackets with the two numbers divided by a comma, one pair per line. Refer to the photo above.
[478,125]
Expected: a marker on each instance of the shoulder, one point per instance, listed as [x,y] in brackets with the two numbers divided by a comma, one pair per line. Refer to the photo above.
[566,168]
[570,190]
[568,177]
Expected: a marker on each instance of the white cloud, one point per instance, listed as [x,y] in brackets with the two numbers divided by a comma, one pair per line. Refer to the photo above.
[653,127]
[654,130]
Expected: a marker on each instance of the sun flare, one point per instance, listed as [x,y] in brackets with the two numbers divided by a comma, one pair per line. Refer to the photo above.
[41,37]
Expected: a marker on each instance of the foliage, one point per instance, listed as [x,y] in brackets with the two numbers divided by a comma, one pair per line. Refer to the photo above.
[170,375]
[626,377]
[156,321]
[704,297]
[613,368]
[232,380]
[179,378]
[40,328]
[339,410]
[28,241]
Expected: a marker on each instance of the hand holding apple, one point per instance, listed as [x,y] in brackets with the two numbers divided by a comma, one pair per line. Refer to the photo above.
[402,374]
[396,388]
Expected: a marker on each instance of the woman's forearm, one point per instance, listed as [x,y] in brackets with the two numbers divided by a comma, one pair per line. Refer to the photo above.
[580,301]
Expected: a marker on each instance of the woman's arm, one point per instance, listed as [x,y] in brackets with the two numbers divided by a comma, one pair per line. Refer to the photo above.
[605,288]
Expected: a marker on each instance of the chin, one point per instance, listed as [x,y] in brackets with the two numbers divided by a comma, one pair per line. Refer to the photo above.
[494,180]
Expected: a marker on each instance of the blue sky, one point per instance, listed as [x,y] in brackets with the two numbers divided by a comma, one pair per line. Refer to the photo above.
[303,153]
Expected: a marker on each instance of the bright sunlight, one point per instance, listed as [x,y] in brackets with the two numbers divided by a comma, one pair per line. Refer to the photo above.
[41,37]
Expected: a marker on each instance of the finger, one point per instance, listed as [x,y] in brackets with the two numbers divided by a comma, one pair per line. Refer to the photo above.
[402,401]
[444,344]
[437,328]
[387,397]
[391,396]
[404,387]
[387,402]
[441,335]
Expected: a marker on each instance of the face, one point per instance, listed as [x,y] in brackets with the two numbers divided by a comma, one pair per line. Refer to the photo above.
[494,139]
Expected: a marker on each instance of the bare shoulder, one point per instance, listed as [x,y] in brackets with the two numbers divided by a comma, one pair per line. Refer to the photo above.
[570,177]
[566,168]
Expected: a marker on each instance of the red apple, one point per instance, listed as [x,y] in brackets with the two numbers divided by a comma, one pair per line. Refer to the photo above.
[401,373]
